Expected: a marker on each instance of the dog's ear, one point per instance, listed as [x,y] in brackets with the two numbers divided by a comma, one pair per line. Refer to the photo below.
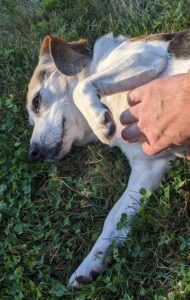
[69,58]
[80,46]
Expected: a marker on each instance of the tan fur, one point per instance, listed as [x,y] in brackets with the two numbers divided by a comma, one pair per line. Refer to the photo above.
[34,84]
[45,46]
[80,46]
[153,37]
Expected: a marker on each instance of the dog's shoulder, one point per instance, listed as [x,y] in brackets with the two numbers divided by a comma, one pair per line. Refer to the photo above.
[104,46]
[178,42]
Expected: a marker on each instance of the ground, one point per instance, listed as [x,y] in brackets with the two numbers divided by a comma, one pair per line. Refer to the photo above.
[51,214]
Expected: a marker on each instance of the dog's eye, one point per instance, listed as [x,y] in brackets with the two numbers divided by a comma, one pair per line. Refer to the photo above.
[36,102]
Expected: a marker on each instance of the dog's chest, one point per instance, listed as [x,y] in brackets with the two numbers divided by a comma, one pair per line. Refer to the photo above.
[176,66]
[118,103]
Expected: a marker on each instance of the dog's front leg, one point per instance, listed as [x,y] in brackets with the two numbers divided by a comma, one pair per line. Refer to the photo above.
[131,68]
[144,173]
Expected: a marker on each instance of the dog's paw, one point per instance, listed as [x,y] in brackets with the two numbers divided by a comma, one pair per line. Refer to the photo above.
[86,272]
[96,113]
[78,279]
[103,126]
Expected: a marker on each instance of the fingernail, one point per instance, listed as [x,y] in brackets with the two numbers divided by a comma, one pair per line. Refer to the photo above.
[132,134]
[127,118]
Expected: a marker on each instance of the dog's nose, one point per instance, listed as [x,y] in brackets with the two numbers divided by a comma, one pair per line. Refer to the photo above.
[35,153]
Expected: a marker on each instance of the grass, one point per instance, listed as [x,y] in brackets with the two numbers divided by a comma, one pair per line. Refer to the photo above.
[50,215]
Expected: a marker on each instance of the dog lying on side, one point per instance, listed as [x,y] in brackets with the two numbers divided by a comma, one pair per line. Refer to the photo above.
[74,98]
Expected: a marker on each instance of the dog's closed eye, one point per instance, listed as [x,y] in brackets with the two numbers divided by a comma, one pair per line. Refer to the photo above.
[36,103]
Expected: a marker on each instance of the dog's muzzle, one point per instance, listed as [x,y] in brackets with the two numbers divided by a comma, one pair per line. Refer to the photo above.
[39,152]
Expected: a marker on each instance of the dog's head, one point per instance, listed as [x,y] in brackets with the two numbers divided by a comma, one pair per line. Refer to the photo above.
[57,122]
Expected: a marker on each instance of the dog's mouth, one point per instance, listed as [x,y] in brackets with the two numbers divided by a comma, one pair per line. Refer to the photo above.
[50,152]
[56,153]
[46,153]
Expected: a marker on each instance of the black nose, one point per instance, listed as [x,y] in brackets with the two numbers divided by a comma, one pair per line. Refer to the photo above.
[35,152]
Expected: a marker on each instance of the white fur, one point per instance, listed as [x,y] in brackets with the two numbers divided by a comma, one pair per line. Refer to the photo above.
[118,65]
[127,66]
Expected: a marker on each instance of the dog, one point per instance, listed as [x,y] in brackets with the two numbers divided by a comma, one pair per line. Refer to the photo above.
[75,98]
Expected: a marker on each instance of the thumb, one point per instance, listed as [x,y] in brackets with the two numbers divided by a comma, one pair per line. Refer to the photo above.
[161,144]
[151,149]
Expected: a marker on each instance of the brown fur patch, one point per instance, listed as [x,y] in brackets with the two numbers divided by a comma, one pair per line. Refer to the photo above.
[80,46]
[165,37]
[67,60]
[180,44]
[45,46]
[34,82]
[42,74]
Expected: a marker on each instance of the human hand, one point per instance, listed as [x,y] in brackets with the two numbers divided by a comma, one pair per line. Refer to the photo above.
[159,114]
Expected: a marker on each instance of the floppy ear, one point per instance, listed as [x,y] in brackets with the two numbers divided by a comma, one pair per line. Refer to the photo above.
[69,58]
[80,46]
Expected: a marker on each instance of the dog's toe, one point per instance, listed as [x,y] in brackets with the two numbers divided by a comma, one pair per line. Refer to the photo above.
[109,123]
[104,127]
[83,279]
[76,281]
